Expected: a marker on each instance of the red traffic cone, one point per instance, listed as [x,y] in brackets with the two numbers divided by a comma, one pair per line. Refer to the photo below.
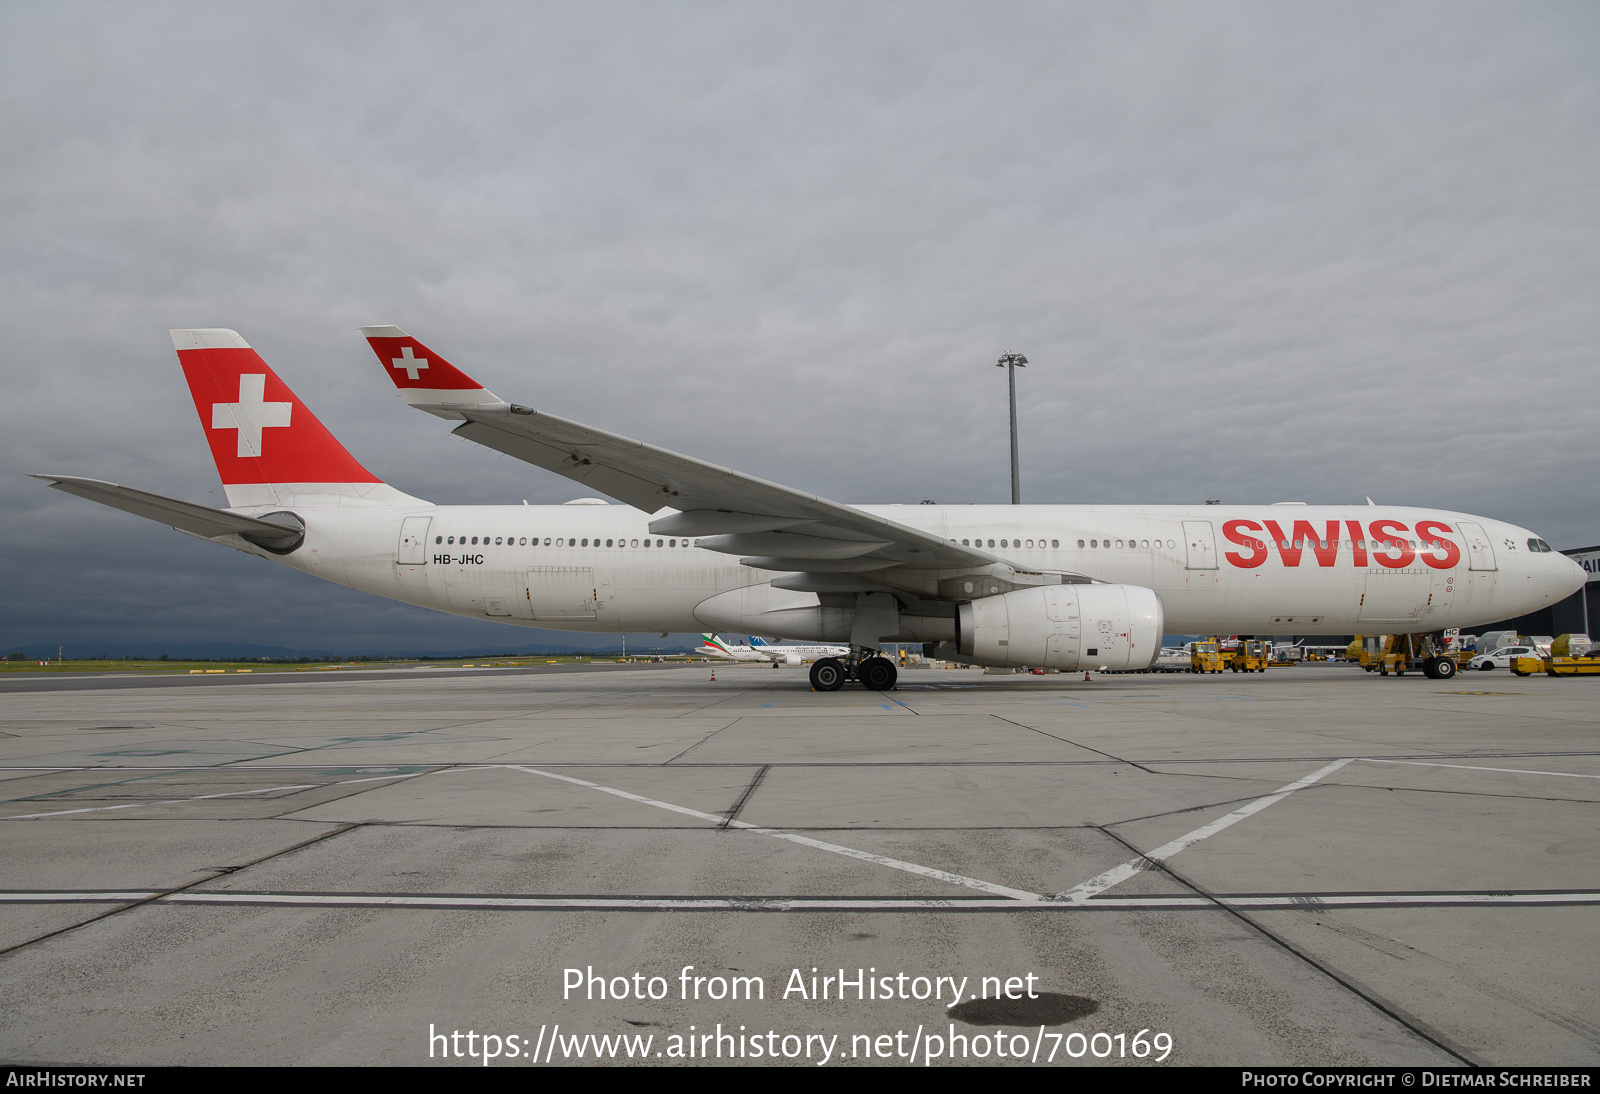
[713,676]
[1086,676]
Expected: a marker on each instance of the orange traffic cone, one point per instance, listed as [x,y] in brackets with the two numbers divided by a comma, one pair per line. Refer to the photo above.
[1086,676]
[714,676]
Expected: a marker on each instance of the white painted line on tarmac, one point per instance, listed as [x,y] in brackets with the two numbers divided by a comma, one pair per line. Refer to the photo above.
[1118,874]
[1474,767]
[804,841]
[512,902]
[203,797]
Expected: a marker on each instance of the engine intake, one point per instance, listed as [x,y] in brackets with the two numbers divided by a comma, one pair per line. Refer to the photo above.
[1063,627]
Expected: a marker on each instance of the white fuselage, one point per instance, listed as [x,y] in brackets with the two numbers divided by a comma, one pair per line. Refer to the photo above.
[795,651]
[732,653]
[1217,569]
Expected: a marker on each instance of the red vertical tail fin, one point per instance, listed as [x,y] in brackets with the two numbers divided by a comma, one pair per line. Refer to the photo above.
[268,446]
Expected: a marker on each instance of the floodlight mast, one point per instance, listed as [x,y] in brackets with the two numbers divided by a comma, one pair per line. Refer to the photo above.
[1010,362]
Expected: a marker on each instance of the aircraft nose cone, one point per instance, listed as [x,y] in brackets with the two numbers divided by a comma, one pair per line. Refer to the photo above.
[1579,575]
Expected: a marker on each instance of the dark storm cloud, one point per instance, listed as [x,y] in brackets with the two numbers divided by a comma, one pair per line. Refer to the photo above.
[1254,253]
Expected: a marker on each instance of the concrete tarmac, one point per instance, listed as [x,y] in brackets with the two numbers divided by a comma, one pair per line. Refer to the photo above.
[1310,866]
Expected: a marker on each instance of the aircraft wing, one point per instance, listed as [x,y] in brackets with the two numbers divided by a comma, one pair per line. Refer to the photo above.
[198,520]
[770,526]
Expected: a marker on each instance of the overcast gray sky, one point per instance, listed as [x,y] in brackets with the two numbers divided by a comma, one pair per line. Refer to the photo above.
[1252,252]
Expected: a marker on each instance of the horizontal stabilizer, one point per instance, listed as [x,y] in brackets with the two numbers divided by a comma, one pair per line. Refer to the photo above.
[199,520]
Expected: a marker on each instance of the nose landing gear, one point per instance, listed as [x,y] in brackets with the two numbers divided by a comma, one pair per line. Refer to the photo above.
[1439,668]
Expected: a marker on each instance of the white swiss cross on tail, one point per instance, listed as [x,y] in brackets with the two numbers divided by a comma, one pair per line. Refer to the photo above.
[251,414]
[409,362]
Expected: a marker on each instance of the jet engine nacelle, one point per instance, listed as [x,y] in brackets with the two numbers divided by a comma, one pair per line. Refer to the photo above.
[1063,627]
[791,659]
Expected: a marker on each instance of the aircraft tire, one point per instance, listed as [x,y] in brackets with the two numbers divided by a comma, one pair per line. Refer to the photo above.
[877,673]
[827,674]
[1444,669]
[1430,668]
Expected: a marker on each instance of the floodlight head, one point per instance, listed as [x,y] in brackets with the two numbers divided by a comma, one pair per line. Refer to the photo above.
[1010,359]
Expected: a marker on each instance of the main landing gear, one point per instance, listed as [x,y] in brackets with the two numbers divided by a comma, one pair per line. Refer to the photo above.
[875,673]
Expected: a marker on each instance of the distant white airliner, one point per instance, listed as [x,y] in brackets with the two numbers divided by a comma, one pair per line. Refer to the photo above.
[714,647]
[794,653]
[695,546]
[761,650]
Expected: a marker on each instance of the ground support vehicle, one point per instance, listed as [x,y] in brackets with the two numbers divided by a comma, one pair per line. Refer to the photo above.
[1556,666]
[1252,655]
[1287,654]
[1364,650]
[1172,659]
[1403,652]
[1570,655]
[1205,657]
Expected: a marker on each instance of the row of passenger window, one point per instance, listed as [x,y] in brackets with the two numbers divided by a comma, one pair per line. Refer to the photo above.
[558,541]
[1010,544]
[1349,544]
[1097,544]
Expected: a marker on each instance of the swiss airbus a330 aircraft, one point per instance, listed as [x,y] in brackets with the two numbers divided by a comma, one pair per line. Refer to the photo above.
[694,546]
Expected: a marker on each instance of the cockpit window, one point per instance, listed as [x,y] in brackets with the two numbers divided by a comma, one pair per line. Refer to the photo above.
[1537,544]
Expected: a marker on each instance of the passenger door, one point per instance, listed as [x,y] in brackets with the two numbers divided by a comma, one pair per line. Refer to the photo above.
[411,555]
[1480,551]
[1201,542]
[413,547]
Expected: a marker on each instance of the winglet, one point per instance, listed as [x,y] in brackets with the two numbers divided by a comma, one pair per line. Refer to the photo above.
[426,380]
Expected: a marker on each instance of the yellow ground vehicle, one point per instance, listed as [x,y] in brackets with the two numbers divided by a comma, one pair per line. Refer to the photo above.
[1251,655]
[1560,662]
[1400,653]
[1205,657]
[1556,666]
